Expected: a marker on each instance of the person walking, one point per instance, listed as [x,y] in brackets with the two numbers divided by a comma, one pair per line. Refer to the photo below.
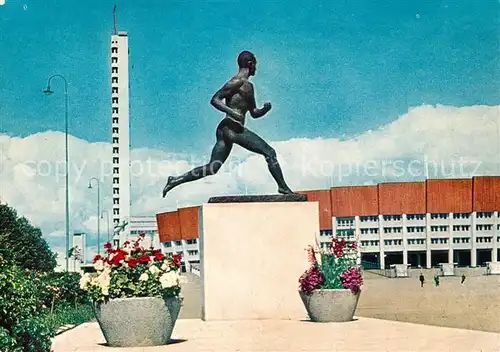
[436,280]
[422,279]
[463,279]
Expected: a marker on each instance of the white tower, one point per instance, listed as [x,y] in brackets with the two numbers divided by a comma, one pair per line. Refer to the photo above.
[120,125]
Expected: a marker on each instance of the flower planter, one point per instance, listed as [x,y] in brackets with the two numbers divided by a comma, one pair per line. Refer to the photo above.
[330,305]
[133,322]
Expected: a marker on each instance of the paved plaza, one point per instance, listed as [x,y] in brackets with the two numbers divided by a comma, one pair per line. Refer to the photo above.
[391,299]
[474,305]
[364,334]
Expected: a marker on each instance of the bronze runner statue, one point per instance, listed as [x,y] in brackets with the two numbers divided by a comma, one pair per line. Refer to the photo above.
[235,99]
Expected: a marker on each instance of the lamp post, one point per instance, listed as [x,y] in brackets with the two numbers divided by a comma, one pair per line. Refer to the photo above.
[98,212]
[107,221]
[48,91]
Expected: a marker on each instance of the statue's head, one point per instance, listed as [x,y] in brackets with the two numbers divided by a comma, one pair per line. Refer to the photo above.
[247,60]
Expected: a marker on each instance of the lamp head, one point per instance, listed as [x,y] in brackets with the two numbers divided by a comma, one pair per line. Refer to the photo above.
[90,185]
[47,91]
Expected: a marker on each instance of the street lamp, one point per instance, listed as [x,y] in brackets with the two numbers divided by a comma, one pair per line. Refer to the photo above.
[98,212]
[107,221]
[48,91]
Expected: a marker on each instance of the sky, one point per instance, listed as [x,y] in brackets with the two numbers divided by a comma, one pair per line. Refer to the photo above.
[351,83]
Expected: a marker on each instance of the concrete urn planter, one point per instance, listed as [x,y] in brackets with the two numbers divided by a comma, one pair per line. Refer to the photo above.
[336,305]
[141,321]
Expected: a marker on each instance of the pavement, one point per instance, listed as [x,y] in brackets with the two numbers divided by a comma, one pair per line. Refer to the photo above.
[363,334]
[475,307]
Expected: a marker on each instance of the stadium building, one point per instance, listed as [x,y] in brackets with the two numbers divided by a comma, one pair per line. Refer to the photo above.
[415,223]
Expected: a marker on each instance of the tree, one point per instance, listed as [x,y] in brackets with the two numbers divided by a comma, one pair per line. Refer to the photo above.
[22,244]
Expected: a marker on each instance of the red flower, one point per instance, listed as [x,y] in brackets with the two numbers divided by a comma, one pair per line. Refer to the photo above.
[97,257]
[177,258]
[118,257]
[107,246]
[144,259]
[132,262]
[159,256]
[126,243]
[142,235]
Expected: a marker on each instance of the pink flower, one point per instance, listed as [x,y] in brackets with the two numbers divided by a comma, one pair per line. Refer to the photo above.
[311,280]
[351,279]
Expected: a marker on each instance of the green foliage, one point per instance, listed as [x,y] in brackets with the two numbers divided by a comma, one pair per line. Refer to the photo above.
[7,343]
[30,289]
[26,300]
[69,286]
[125,282]
[22,244]
[333,267]
[34,335]
[21,312]
[66,313]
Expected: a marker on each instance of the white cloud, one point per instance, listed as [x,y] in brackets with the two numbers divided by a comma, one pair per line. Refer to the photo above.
[456,142]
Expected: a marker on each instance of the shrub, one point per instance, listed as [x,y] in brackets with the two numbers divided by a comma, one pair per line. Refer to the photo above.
[22,327]
[34,335]
[337,268]
[7,343]
[22,244]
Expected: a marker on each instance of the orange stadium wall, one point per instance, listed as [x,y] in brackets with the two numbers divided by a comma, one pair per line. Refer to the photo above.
[432,196]
[169,226]
[449,196]
[354,200]
[189,222]
[486,195]
[401,198]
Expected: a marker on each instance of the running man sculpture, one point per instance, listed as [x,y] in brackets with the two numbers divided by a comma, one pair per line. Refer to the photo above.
[235,99]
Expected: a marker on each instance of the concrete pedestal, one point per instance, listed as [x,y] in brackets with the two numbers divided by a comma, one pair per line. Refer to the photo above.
[493,268]
[252,255]
[447,269]
[399,270]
